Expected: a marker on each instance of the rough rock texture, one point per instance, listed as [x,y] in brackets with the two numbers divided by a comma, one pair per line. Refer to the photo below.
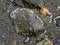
[8,34]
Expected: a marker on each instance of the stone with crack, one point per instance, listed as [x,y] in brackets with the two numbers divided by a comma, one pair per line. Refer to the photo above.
[26,20]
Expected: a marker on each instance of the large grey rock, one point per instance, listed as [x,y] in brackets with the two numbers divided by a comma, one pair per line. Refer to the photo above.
[29,16]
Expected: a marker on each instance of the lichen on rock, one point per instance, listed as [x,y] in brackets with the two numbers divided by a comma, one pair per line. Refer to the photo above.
[26,20]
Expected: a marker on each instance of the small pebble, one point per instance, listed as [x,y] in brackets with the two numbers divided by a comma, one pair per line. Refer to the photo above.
[44,11]
[26,39]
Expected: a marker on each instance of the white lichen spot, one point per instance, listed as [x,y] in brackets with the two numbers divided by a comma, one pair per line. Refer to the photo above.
[14,13]
[21,9]
[31,11]
[8,11]
[58,7]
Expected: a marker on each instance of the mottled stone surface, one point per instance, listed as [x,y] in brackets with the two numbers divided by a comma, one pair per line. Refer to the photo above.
[8,34]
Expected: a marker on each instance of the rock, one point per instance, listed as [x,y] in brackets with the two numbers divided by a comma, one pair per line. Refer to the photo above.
[26,40]
[44,11]
[57,20]
[40,43]
[26,19]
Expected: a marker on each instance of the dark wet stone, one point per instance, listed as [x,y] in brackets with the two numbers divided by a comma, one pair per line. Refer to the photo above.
[58,22]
